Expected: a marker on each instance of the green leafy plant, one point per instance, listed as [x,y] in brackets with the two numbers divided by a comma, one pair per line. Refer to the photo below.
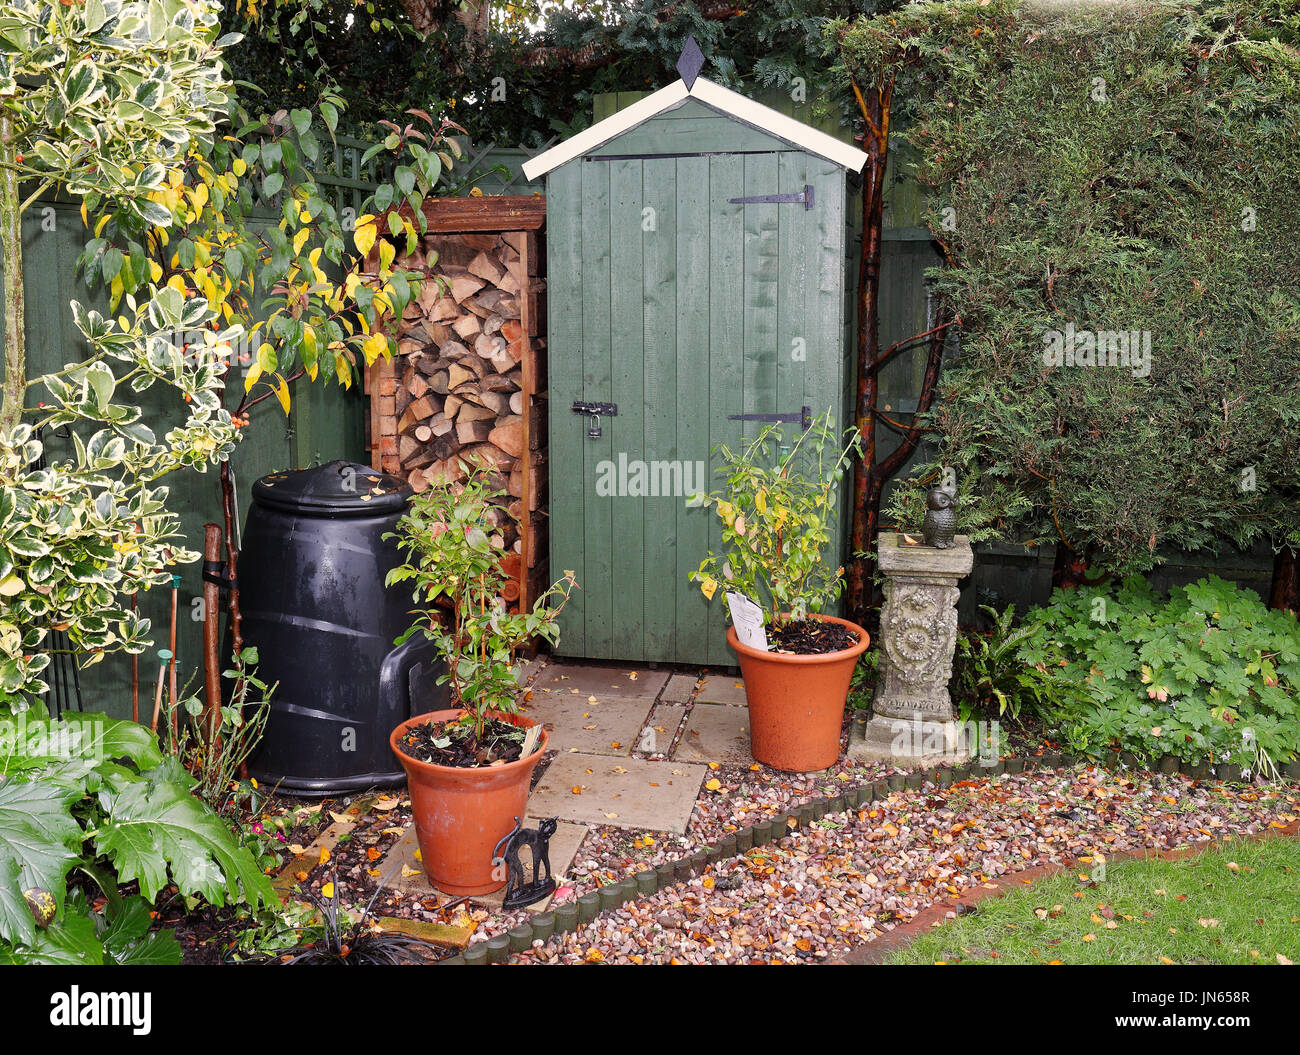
[90,803]
[213,747]
[776,511]
[1209,673]
[446,535]
[989,676]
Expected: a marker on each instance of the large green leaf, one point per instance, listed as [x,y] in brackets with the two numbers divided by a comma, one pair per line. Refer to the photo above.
[39,842]
[71,941]
[157,826]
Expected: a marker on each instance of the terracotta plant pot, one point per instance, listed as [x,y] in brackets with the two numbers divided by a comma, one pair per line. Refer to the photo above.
[461,814]
[796,703]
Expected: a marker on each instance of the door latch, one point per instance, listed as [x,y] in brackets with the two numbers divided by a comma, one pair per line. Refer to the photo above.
[595,411]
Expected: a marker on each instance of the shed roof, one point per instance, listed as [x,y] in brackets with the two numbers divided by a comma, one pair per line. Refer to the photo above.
[724,101]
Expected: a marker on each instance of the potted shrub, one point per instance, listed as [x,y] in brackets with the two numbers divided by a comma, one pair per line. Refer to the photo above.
[469,767]
[776,512]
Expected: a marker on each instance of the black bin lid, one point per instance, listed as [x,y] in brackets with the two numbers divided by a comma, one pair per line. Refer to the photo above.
[335,489]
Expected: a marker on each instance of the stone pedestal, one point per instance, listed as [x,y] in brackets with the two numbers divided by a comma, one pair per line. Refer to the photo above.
[913,721]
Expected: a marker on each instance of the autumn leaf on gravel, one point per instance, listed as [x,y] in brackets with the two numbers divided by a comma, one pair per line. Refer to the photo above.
[297,849]
[373,854]
[386,804]
[327,890]
[324,855]
[394,831]
[714,784]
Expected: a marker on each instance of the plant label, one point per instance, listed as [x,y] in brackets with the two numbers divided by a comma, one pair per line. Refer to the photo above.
[747,618]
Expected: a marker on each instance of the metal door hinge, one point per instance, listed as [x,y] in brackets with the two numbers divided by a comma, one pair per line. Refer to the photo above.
[804,417]
[805,196]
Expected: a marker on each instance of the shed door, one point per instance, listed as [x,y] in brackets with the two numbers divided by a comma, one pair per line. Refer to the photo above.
[682,309]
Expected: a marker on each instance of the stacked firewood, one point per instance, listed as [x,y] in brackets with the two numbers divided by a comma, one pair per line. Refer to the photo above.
[465,383]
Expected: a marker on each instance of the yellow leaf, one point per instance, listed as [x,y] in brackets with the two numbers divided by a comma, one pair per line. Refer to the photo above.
[364,237]
[282,394]
[84,221]
[708,587]
[238,167]
[300,239]
[324,855]
[714,784]
[327,890]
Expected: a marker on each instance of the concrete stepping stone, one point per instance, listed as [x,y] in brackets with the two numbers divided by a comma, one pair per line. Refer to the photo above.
[722,688]
[589,679]
[660,728]
[679,688]
[401,859]
[607,727]
[716,733]
[626,792]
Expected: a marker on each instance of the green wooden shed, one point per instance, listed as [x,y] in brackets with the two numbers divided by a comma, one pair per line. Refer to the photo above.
[695,282]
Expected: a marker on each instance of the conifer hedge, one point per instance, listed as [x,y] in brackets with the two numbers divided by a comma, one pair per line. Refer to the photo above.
[1101,180]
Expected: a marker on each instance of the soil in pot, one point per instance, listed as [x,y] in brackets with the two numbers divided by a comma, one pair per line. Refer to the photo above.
[457,743]
[811,637]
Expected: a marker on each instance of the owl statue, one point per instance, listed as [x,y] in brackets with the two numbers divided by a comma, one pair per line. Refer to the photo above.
[940,524]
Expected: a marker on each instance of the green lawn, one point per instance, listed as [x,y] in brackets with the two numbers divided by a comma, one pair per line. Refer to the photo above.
[1236,903]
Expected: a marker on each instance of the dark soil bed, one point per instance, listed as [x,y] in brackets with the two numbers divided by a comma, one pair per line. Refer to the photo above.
[459,745]
[812,637]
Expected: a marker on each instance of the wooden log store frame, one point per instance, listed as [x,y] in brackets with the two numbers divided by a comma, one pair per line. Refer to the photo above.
[469,379]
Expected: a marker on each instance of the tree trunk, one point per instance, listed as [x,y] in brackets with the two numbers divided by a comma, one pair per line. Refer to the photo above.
[1285,593]
[1069,569]
[874,104]
[11,232]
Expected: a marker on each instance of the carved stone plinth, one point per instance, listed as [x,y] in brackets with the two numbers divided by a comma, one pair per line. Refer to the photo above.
[912,720]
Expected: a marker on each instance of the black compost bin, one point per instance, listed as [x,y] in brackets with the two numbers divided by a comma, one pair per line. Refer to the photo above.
[311,588]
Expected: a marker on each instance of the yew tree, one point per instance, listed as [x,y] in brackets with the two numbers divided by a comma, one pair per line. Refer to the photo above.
[1115,191]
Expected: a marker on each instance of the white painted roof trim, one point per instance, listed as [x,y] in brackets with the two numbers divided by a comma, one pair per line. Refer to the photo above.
[724,100]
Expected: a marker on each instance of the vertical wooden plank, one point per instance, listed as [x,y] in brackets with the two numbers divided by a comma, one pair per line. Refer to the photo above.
[792,325]
[694,410]
[660,584]
[726,377]
[761,266]
[564,351]
[626,430]
[825,376]
[598,522]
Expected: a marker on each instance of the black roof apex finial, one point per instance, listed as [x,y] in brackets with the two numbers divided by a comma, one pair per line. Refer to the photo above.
[690,62]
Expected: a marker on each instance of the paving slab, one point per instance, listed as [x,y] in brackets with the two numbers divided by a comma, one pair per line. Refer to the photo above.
[660,728]
[401,856]
[607,727]
[716,733]
[601,681]
[679,688]
[723,688]
[626,792]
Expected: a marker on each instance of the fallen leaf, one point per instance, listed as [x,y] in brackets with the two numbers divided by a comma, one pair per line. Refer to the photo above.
[327,891]
[324,855]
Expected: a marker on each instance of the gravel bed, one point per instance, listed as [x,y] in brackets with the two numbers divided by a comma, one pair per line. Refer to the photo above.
[841,881]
